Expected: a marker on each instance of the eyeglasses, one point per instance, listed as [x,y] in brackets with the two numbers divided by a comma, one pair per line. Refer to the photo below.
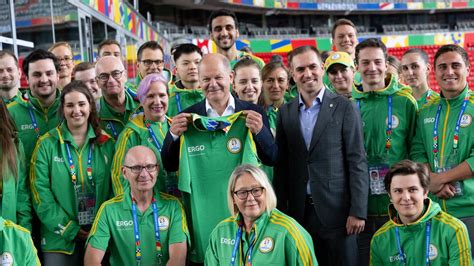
[116,74]
[148,63]
[243,194]
[65,59]
[136,169]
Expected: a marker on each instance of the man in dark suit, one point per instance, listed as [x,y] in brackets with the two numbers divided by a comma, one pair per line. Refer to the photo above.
[321,175]
[215,77]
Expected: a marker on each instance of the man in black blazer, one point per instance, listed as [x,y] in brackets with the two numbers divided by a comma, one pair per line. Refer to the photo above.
[321,175]
[215,78]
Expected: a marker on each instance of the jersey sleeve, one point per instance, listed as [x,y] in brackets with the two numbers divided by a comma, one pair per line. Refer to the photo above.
[99,235]
[299,248]
[48,210]
[125,141]
[23,212]
[418,152]
[179,229]
[459,247]
[30,253]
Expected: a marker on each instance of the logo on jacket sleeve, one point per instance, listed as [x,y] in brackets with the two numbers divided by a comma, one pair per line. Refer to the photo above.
[266,245]
[234,145]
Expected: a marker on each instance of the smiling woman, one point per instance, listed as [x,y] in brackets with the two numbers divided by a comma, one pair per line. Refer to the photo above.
[69,176]
[416,221]
[263,233]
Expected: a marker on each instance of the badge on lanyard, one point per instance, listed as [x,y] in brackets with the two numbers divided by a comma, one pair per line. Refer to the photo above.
[377,173]
[85,208]
[450,164]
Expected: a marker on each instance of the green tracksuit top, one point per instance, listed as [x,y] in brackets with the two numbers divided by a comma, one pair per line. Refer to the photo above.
[113,229]
[210,150]
[16,200]
[182,98]
[46,119]
[459,206]
[426,97]
[16,245]
[373,106]
[136,133]
[57,205]
[112,121]
[278,240]
[449,240]
[17,95]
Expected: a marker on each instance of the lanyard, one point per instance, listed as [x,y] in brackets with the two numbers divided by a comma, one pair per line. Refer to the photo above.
[178,101]
[153,136]
[427,237]
[72,168]
[238,237]
[456,129]
[114,132]
[33,120]
[388,131]
[138,253]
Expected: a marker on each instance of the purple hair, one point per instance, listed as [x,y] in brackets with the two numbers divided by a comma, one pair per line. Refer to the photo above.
[145,84]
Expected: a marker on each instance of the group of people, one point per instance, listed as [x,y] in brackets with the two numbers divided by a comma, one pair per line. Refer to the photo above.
[230,160]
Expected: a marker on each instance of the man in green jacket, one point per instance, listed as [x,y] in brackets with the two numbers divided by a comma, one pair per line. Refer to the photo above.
[10,74]
[444,136]
[388,113]
[116,105]
[36,112]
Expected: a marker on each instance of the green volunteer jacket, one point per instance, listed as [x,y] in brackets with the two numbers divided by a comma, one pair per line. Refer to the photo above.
[181,98]
[426,97]
[422,149]
[278,240]
[16,245]
[113,229]
[52,189]
[209,151]
[17,95]
[136,133]
[373,107]
[112,121]
[449,240]
[16,200]
[46,118]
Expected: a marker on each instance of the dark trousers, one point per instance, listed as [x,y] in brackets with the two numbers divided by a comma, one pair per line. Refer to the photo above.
[372,224]
[333,247]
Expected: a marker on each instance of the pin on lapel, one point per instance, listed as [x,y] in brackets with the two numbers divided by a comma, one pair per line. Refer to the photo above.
[331,105]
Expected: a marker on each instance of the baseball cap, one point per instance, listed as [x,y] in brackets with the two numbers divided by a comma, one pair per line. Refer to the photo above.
[339,58]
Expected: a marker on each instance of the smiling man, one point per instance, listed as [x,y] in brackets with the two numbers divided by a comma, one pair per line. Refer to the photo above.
[448,120]
[388,113]
[37,111]
[416,69]
[224,30]
[85,72]
[10,74]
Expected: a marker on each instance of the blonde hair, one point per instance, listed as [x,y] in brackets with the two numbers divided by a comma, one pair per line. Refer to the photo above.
[260,177]
[58,44]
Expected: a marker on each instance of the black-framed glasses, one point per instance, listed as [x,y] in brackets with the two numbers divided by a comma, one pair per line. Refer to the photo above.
[116,74]
[148,62]
[243,194]
[136,169]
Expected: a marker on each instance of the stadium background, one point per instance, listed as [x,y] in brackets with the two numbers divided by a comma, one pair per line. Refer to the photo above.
[267,26]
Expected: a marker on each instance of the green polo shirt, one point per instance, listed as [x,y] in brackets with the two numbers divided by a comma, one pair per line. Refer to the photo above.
[278,240]
[114,226]
[16,246]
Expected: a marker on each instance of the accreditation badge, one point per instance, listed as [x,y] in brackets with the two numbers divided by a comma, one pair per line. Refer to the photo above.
[377,174]
[85,208]
[451,163]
